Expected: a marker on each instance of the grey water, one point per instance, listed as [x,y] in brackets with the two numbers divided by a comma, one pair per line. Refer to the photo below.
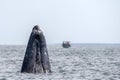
[79,62]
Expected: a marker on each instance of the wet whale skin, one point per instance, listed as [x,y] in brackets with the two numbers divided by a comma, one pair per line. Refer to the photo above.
[36,58]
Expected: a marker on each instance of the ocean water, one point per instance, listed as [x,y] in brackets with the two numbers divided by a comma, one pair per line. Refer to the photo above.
[80,62]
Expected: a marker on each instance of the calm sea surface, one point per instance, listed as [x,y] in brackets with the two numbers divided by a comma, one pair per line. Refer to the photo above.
[80,62]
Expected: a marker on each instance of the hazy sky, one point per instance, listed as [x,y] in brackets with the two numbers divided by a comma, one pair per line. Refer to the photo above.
[79,21]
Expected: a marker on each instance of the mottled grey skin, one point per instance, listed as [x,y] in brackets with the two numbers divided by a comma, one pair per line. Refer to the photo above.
[36,58]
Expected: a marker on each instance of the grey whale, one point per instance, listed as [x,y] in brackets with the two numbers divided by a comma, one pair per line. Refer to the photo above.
[36,59]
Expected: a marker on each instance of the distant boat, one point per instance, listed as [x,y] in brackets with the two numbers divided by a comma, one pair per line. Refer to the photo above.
[66,44]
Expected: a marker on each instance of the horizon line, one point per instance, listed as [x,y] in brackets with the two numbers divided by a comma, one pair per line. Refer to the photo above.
[59,43]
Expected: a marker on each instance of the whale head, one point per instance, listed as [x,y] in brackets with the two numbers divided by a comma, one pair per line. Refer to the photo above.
[36,27]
